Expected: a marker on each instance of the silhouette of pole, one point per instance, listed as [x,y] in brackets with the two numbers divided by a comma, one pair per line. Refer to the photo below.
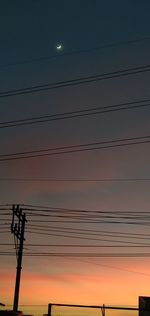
[49,310]
[18,230]
[103,310]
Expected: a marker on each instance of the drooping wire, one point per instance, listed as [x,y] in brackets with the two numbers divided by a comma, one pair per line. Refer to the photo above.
[77,81]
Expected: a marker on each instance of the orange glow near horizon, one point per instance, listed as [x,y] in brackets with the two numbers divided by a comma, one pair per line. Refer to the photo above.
[94,286]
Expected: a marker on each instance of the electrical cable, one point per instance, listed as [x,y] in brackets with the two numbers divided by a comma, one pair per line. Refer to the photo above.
[74,180]
[75,114]
[94,255]
[93,230]
[76,81]
[130,141]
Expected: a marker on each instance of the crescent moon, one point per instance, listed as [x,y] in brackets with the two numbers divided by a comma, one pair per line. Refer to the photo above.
[58,47]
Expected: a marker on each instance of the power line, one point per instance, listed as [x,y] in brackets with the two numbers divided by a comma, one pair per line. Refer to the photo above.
[76,81]
[76,114]
[78,254]
[112,267]
[67,235]
[60,230]
[3,224]
[144,222]
[49,210]
[89,222]
[122,234]
[41,208]
[77,148]
[92,215]
[113,220]
[75,180]
[90,232]
[76,52]
[89,254]
[61,210]
[86,246]
[79,246]
[89,216]
[2,219]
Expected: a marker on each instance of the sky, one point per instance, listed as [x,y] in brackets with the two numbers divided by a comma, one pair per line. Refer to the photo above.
[98,37]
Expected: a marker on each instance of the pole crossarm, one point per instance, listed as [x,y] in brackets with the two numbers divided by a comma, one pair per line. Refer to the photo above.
[16,227]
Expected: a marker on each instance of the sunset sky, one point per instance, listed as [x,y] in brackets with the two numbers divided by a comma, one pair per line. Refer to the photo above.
[98,37]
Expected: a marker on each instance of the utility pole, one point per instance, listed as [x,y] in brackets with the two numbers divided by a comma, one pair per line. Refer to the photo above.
[18,229]
[103,310]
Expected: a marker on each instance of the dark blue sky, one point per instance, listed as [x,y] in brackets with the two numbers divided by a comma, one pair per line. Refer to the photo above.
[30,30]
